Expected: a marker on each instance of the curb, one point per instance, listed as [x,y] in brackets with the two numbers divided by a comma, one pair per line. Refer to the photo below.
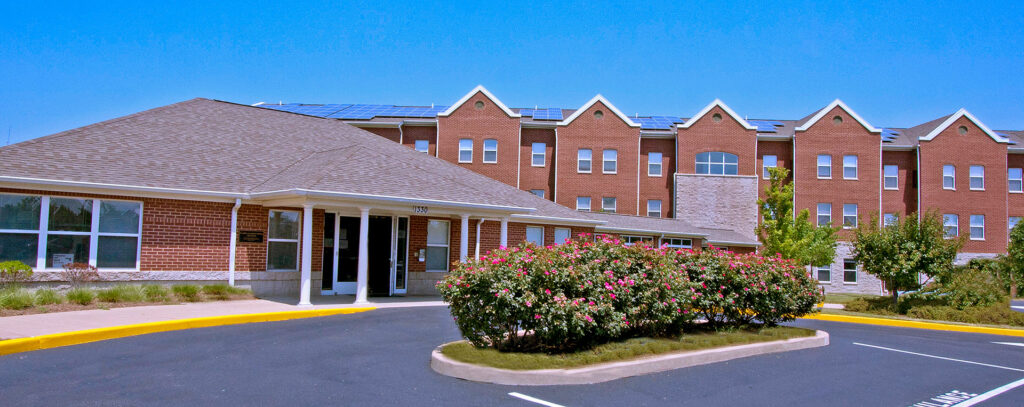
[604,372]
[92,335]
[935,326]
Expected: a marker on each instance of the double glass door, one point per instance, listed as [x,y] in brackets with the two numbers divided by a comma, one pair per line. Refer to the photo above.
[387,251]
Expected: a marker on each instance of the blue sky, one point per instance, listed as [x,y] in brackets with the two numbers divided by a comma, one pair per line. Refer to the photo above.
[69,65]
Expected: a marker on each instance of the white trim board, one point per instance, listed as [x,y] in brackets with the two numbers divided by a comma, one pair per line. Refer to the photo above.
[821,113]
[743,122]
[593,101]
[964,113]
[488,94]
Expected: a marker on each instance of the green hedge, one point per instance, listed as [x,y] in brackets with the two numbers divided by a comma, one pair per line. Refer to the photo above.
[584,292]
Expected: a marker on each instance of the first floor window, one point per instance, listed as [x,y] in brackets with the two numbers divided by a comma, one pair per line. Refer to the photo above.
[977,177]
[718,163]
[889,219]
[654,208]
[437,245]
[1016,179]
[538,192]
[584,157]
[768,161]
[561,235]
[849,167]
[849,271]
[654,164]
[824,166]
[535,235]
[824,214]
[892,177]
[677,243]
[538,151]
[610,161]
[423,146]
[607,204]
[951,224]
[824,273]
[465,150]
[283,241]
[977,227]
[491,151]
[1012,221]
[583,203]
[632,240]
[948,176]
[849,216]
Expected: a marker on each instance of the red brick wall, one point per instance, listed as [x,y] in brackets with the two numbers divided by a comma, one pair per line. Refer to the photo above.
[902,201]
[412,133]
[973,148]
[531,177]
[390,133]
[783,151]
[657,187]
[847,138]
[490,122]
[725,136]
[608,132]
[1015,202]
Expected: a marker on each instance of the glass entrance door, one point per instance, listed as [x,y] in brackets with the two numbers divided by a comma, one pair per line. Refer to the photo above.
[401,256]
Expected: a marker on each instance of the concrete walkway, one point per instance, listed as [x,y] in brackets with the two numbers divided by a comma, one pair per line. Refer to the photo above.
[23,326]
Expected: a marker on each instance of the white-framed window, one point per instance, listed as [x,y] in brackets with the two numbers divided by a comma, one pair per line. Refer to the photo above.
[1015,177]
[768,161]
[824,166]
[1012,221]
[584,157]
[849,167]
[676,242]
[977,227]
[538,192]
[718,163]
[951,225]
[948,176]
[891,177]
[561,235]
[610,161]
[977,178]
[437,245]
[583,203]
[654,164]
[654,208]
[849,216]
[824,273]
[632,240]
[608,204]
[535,235]
[538,154]
[422,146]
[46,232]
[283,240]
[490,151]
[824,214]
[889,219]
[850,271]
[465,150]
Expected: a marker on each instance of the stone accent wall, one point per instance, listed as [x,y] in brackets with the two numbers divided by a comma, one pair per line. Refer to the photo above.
[865,284]
[718,201]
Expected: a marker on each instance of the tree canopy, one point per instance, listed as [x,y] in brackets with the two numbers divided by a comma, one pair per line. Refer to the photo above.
[792,237]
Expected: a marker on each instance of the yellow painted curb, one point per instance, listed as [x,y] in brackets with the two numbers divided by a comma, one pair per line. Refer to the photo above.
[917,324]
[92,335]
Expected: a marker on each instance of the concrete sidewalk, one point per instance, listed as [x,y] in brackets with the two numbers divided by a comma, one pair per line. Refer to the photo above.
[23,326]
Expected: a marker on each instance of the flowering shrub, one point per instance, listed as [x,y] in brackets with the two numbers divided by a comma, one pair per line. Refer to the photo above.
[583,292]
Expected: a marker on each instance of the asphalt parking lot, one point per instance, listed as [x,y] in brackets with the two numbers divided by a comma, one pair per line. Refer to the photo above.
[382,358]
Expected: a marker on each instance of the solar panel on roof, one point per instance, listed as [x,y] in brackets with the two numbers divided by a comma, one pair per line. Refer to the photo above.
[309,110]
[765,126]
[526,112]
[547,114]
[889,135]
[657,122]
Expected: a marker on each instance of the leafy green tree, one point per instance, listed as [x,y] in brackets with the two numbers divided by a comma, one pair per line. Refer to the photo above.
[792,237]
[1015,257]
[899,252]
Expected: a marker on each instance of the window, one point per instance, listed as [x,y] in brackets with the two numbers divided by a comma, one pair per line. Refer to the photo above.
[951,224]
[583,203]
[889,219]
[977,227]
[849,216]
[561,235]
[538,192]
[538,151]
[1012,221]
[654,164]
[283,241]
[490,151]
[583,159]
[824,214]
[19,228]
[948,177]
[423,146]
[824,274]
[1015,177]
[768,161]
[977,178]
[610,161]
[824,166]
[535,235]
[437,245]
[631,240]
[891,174]
[677,243]
[849,271]
[717,163]
[607,204]
[465,150]
[849,167]
[654,208]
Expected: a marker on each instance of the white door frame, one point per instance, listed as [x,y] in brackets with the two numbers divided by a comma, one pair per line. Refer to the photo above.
[349,287]
[394,255]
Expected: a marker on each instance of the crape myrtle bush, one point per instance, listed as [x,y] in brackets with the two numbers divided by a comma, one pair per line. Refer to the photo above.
[584,292]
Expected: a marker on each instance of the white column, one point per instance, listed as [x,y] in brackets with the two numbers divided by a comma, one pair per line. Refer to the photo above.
[464,239]
[504,232]
[362,267]
[476,247]
[306,275]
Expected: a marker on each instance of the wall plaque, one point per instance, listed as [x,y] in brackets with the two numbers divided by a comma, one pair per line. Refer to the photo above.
[250,236]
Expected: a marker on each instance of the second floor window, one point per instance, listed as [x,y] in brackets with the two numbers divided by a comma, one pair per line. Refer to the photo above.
[423,146]
[889,219]
[948,176]
[977,177]
[537,153]
[849,216]
[768,161]
[608,204]
[465,150]
[490,151]
[849,167]
[717,163]
[654,208]
[977,227]
[583,203]
[892,177]
[951,224]
[653,164]
[1015,177]
[538,192]
[610,161]
[824,166]
[583,160]
[824,214]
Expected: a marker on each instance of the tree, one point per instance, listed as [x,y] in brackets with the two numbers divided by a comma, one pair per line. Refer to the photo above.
[897,253]
[1015,257]
[792,237]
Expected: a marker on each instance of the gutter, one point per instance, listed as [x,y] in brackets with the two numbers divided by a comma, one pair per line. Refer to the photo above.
[571,221]
[650,231]
[386,198]
[122,187]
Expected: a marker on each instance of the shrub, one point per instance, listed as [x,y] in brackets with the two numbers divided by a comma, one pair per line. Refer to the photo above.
[186,292]
[121,293]
[155,293]
[13,273]
[16,298]
[993,315]
[222,291]
[78,273]
[972,287]
[46,296]
[80,295]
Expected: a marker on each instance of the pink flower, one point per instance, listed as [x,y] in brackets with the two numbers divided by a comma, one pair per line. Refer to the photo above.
[529,304]
[536,316]
[547,291]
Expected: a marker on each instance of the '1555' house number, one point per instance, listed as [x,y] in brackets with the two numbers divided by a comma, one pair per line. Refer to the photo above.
[420,209]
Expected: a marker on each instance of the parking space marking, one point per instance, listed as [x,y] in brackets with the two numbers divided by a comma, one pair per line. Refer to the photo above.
[991,393]
[1010,343]
[947,399]
[534,400]
[1017,306]
[939,357]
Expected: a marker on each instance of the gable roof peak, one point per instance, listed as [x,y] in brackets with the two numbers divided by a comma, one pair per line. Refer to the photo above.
[488,94]
[718,102]
[593,101]
[836,103]
[953,118]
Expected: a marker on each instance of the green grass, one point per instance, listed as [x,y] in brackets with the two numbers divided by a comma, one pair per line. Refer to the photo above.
[16,298]
[80,296]
[844,298]
[156,293]
[186,292]
[222,291]
[46,296]
[121,293]
[617,351]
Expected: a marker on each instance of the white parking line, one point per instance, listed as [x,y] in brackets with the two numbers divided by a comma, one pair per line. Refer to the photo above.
[534,400]
[1017,306]
[939,357]
[1010,343]
[991,393]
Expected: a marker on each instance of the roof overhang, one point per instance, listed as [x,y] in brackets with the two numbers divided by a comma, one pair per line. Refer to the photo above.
[657,134]
[539,125]
[838,103]
[301,195]
[481,89]
[773,137]
[743,122]
[594,101]
[964,113]
[555,220]
[728,243]
[648,231]
[119,189]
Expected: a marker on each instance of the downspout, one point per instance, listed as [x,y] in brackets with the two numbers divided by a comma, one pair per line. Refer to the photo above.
[234,240]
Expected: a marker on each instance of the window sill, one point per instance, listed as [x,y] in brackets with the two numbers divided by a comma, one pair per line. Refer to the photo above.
[609,173]
[948,189]
[891,189]
[465,162]
[489,162]
[849,283]
[1017,192]
[851,179]
[824,177]
[584,172]
[435,271]
[825,282]
[978,239]
[282,271]
[654,175]
[538,166]
[978,189]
